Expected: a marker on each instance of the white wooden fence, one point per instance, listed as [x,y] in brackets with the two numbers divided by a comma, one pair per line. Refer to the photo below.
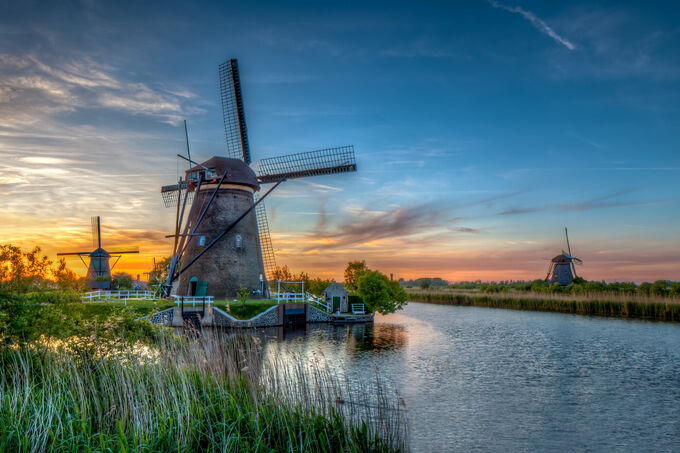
[193,300]
[101,295]
[287,297]
[358,309]
[324,304]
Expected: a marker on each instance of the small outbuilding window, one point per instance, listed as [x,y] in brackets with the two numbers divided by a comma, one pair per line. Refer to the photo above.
[238,241]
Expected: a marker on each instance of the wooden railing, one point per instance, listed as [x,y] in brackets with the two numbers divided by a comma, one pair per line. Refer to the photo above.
[118,295]
[326,305]
[193,300]
[358,309]
[284,297]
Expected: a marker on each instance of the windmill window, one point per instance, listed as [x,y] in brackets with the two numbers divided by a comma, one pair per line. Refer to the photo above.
[201,241]
[238,241]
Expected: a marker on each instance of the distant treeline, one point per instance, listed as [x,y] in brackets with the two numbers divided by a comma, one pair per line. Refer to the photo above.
[578,286]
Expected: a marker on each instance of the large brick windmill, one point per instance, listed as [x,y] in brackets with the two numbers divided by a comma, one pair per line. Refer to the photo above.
[99,268]
[224,242]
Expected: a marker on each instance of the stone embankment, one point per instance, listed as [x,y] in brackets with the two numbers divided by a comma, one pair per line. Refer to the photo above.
[277,315]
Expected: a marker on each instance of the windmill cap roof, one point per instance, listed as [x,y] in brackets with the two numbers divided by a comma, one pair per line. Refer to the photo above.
[237,171]
[561,258]
[100,252]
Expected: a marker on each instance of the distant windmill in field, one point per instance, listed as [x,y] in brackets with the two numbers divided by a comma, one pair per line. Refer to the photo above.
[562,269]
[223,243]
[99,265]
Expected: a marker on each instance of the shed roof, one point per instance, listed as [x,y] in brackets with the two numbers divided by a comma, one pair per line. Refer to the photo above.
[335,286]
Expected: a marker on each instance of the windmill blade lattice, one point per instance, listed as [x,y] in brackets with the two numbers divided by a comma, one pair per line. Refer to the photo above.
[312,163]
[233,112]
[170,194]
[265,240]
[95,232]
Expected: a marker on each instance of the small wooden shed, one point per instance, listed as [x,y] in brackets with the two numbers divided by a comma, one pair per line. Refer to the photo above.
[338,294]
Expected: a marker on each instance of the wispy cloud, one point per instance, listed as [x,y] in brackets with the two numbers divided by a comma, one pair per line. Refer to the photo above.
[537,22]
[371,226]
[30,89]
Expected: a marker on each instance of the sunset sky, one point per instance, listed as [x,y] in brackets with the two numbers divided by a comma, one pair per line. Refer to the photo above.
[481,129]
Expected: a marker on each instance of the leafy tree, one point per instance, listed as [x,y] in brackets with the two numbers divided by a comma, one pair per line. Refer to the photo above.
[11,265]
[659,288]
[379,293]
[65,277]
[314,285]
[645,287]
[317,285]
[122,280]
[282,273]
[675,288]
[354,271]
[425,283]
[23,271]
[37,266]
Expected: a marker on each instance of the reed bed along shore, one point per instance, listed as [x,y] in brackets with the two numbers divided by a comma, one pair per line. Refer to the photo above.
[639,306]
[213,393]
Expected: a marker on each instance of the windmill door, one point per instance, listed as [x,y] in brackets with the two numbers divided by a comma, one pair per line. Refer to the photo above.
[191,291]
[201,289]
[336,303]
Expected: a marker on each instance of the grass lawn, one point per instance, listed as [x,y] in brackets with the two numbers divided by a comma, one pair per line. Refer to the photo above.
[253,307]
[101,310]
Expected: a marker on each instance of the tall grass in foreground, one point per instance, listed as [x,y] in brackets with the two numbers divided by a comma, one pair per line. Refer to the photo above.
[598,304]
[210,394]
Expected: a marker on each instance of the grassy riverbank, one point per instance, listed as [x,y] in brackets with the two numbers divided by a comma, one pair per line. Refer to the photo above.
[599,304]
[252,307]
[89,377]
[176,397]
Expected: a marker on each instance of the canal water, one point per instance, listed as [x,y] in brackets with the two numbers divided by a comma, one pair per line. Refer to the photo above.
[479,379]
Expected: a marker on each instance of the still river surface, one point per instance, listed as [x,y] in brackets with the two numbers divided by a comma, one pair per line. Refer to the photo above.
[478,379]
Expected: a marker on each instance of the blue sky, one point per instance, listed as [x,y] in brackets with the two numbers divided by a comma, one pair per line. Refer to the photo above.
[481,128]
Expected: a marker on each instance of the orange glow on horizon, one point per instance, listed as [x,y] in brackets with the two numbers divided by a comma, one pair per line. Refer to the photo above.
[485,262]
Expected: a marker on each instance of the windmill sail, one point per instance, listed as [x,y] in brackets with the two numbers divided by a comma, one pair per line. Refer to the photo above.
[170,194]
[265,240]
[233,113]
[96,233]
[312,163]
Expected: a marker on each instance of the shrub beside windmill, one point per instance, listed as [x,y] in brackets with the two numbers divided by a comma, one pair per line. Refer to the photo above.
[562,269]
[223,244]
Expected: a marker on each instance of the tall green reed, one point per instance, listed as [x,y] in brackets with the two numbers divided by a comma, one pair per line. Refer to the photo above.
[597,304]
[213,393]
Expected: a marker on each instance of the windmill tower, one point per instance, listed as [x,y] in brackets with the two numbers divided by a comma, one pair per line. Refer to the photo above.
[562,269]
[99,265]
[224,243]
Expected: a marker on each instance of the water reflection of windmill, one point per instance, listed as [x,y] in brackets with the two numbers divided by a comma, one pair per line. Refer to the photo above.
[562,269]
[99,268]
[224,242]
